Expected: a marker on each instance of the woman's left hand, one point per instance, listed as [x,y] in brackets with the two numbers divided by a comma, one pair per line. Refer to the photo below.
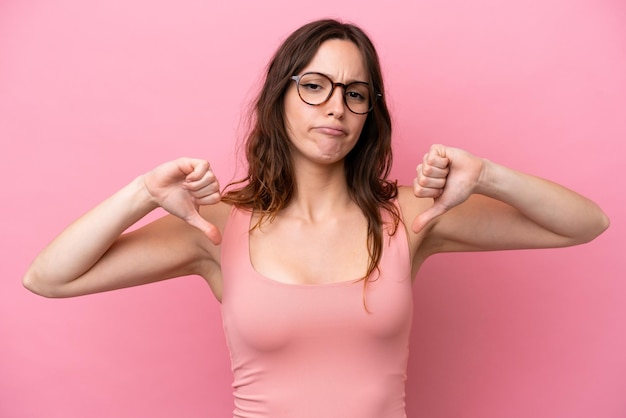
[447,175]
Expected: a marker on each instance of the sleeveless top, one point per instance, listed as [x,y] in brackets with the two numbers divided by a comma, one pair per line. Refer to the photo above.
[314,351]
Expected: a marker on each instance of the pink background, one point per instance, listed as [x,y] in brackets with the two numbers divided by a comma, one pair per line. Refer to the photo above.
[92,93]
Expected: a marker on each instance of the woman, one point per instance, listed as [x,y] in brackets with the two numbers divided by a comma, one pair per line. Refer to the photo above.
[313,253]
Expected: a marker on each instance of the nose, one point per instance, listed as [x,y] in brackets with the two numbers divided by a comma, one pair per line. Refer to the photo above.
[335,105]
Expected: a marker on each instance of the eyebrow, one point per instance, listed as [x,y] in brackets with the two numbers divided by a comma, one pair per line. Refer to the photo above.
[346,82]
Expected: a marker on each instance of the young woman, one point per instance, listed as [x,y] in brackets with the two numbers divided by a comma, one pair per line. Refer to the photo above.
[312,255]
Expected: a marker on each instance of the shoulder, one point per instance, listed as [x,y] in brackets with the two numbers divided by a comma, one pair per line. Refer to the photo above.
[210,268]
[410,207]
[177,233]
[180,236]
[217,214]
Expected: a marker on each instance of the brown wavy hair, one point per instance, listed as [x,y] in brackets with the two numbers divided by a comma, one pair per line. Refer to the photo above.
[269,184]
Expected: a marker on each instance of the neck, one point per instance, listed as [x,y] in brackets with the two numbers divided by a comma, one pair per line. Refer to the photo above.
[321,192]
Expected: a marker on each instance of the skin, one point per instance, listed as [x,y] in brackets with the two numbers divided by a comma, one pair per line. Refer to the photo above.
[458,202]
[322,228]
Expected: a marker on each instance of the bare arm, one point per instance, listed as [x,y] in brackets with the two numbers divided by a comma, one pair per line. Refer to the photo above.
[479,205]
[93,254]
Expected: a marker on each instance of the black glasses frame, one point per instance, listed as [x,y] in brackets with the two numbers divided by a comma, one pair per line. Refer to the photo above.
[376,96]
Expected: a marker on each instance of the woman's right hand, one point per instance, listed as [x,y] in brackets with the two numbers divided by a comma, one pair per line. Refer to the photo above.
[181,187]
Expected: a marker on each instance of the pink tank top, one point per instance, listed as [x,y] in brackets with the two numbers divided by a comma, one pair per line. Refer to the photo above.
[301,351]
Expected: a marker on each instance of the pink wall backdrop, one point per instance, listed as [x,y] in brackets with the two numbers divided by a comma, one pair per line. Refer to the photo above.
[92,93]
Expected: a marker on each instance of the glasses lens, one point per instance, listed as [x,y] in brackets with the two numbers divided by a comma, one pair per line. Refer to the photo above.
[314,88]
[358,97]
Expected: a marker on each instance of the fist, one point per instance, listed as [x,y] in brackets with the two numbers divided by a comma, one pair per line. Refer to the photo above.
[448,176]
[432,173]
[181,186]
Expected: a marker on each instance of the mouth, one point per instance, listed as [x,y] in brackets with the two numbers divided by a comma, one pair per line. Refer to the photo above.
[331,130]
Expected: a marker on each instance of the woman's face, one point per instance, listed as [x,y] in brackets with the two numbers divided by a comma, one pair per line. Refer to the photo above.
[326,133]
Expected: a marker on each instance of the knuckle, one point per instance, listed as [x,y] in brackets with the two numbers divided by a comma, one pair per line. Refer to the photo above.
[428,170]
[422,181]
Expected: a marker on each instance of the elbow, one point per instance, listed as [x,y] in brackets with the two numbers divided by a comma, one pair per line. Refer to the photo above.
[32,282]
[600,224]
[603,224]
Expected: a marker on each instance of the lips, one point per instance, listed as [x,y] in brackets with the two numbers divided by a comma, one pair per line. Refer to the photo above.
[331,130]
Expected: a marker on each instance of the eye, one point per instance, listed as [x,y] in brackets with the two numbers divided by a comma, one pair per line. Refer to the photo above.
[313,83]
[311,86]
[355,96]
[357,92]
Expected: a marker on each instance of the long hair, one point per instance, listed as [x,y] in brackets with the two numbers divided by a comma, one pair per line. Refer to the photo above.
[269,184]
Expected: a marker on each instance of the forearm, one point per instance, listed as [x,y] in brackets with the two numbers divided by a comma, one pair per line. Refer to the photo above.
[82,244]
[549,205]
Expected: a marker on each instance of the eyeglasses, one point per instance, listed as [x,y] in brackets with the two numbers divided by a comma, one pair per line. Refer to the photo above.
[316,89]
